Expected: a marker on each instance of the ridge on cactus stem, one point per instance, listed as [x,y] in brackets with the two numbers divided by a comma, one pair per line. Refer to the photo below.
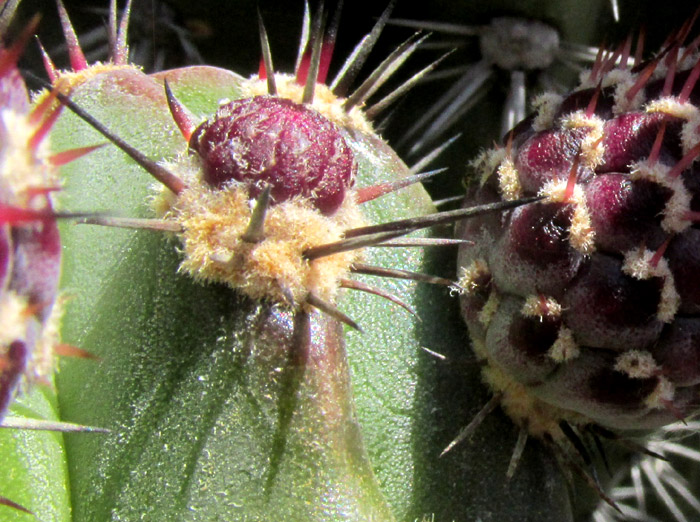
[583,307]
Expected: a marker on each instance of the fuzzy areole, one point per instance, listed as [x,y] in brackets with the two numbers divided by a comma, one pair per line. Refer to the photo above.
[216,207]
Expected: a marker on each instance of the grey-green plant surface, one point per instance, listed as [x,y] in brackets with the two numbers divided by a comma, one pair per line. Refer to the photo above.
[215,411]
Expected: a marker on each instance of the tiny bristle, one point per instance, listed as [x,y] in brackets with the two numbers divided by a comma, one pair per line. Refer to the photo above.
[16,215]
[628,443]
[457,100]
[433,154]
[603,455]
[656,147]
[41,110]
[690,48]
[577,443]
[685,161]
[112,27]
[44,127]
[304,38]
[615,9]
[642,79]
[626,50]
[597,63]
[639,48]
[574,466]
[659,254]
[671,62]
[571,181]
[447,201]
[689,84]
[655,480]
[424,242]
[62,158]
[328,45]
[590,109]
[13,215]
[7,12]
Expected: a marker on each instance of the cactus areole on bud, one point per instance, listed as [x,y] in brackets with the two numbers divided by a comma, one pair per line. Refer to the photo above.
[266,143]
[272,141]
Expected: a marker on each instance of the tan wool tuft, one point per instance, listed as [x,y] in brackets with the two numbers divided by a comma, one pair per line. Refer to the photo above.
[541,307]
[509,181]
[13,320]
[637,264]
[673,107]
[470,274]
[546,106]
[526,410]
[690,133]
[592,149]
[624,80]
[636,364]
[581,232]
[564,348]
[678,204]
[662,395]
[487,162]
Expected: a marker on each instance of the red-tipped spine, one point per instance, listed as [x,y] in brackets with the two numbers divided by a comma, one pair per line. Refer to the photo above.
[75,52]
[43,129]
[180,115]
[66,156]
[49,66]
